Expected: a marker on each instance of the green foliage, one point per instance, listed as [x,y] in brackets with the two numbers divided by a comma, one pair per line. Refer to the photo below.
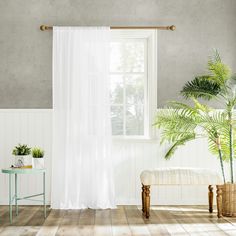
[181,123]
[201,87]
[178,124]
[211,85]
[181,141]
[37,152]
[175,123]
[219,71]
[21,150]
[216,126]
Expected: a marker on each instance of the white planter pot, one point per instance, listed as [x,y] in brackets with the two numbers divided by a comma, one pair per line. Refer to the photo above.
[23,161]
[38,163]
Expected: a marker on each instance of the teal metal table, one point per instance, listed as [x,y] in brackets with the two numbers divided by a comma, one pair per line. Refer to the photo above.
[12,198]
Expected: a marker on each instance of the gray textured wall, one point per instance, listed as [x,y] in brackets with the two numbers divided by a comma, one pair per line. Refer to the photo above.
[25,66]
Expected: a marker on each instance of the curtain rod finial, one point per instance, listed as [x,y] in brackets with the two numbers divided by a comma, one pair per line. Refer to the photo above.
[172,27]
[43,27]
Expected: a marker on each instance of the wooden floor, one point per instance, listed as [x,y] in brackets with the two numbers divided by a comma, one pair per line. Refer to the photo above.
[126,220]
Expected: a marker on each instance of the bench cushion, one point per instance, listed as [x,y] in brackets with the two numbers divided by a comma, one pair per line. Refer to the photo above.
[180,176]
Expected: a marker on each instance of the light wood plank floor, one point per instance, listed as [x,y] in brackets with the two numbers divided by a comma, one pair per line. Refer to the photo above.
[125,220]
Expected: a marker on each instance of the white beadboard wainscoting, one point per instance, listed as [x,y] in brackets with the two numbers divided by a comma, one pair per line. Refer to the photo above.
[34,127]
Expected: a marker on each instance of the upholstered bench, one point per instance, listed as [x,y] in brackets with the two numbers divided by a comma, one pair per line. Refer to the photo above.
[177,176]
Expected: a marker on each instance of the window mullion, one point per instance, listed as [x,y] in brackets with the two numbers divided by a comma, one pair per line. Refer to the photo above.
[146,92]
[124,92]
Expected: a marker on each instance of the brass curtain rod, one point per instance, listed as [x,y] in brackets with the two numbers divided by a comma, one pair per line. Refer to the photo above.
[171,27]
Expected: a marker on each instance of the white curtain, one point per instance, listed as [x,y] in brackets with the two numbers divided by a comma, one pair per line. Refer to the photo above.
[81,158]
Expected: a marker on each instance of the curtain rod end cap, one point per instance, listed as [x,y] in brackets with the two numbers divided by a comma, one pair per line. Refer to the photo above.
[43,27]
[172,27]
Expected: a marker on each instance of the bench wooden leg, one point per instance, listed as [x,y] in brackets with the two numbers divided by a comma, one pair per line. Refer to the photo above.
[147,201]
[210,198]
[219,200]
[143,199]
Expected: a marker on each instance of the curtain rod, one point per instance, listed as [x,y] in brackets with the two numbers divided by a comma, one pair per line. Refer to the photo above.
[171,27]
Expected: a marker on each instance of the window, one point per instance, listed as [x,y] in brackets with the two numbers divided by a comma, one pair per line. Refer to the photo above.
[132,61]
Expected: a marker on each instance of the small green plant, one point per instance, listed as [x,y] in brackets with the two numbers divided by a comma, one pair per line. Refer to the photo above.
[21,150]
[37,152]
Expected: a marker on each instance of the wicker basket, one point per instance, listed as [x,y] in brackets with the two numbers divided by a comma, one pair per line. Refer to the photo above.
[229,199]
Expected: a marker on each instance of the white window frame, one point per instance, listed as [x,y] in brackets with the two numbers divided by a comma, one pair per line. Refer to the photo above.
[150,107]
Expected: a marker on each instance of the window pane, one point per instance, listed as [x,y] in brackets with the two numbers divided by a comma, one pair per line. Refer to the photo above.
[117,120]
[133,56]
[134,89]
[116,57]
[134,120]
[127,56]
[117,89]
[127,74]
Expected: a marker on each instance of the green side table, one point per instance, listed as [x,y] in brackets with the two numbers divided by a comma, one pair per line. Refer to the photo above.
[12,198]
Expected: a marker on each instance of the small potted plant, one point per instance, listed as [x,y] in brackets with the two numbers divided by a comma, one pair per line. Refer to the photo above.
[22,156]
[38,160]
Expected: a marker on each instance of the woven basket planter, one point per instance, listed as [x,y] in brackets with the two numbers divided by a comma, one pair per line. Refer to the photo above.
[229,199]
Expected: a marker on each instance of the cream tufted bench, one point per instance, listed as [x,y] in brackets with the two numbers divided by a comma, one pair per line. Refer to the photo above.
[177,176]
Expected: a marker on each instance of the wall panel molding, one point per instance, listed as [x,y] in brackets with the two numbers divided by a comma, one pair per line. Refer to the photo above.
[130,157]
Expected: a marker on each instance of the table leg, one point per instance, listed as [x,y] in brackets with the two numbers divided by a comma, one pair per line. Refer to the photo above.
[10,200]
[44,202]
[16,205]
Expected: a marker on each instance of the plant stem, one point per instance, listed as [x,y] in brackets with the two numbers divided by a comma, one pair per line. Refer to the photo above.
[218,143]
[231,146]
[221,164]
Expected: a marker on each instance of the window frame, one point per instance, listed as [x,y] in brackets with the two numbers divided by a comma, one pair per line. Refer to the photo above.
[150,93]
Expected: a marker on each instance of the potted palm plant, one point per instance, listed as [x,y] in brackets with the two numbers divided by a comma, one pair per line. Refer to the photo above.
[38,160]
[181,122]
[22,156]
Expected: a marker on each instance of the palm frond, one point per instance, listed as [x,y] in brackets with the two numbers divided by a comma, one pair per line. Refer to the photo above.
[220,72]
[201,87]
[217,126]
[224,147]
[182,107]
[230,105]
[201,107]
[172,136]
[216,120]
[175,119]
[177,125]
[179,142]
[215,57]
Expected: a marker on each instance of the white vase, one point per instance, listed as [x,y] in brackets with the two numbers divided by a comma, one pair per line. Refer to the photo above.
[38,163]
[23,161]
